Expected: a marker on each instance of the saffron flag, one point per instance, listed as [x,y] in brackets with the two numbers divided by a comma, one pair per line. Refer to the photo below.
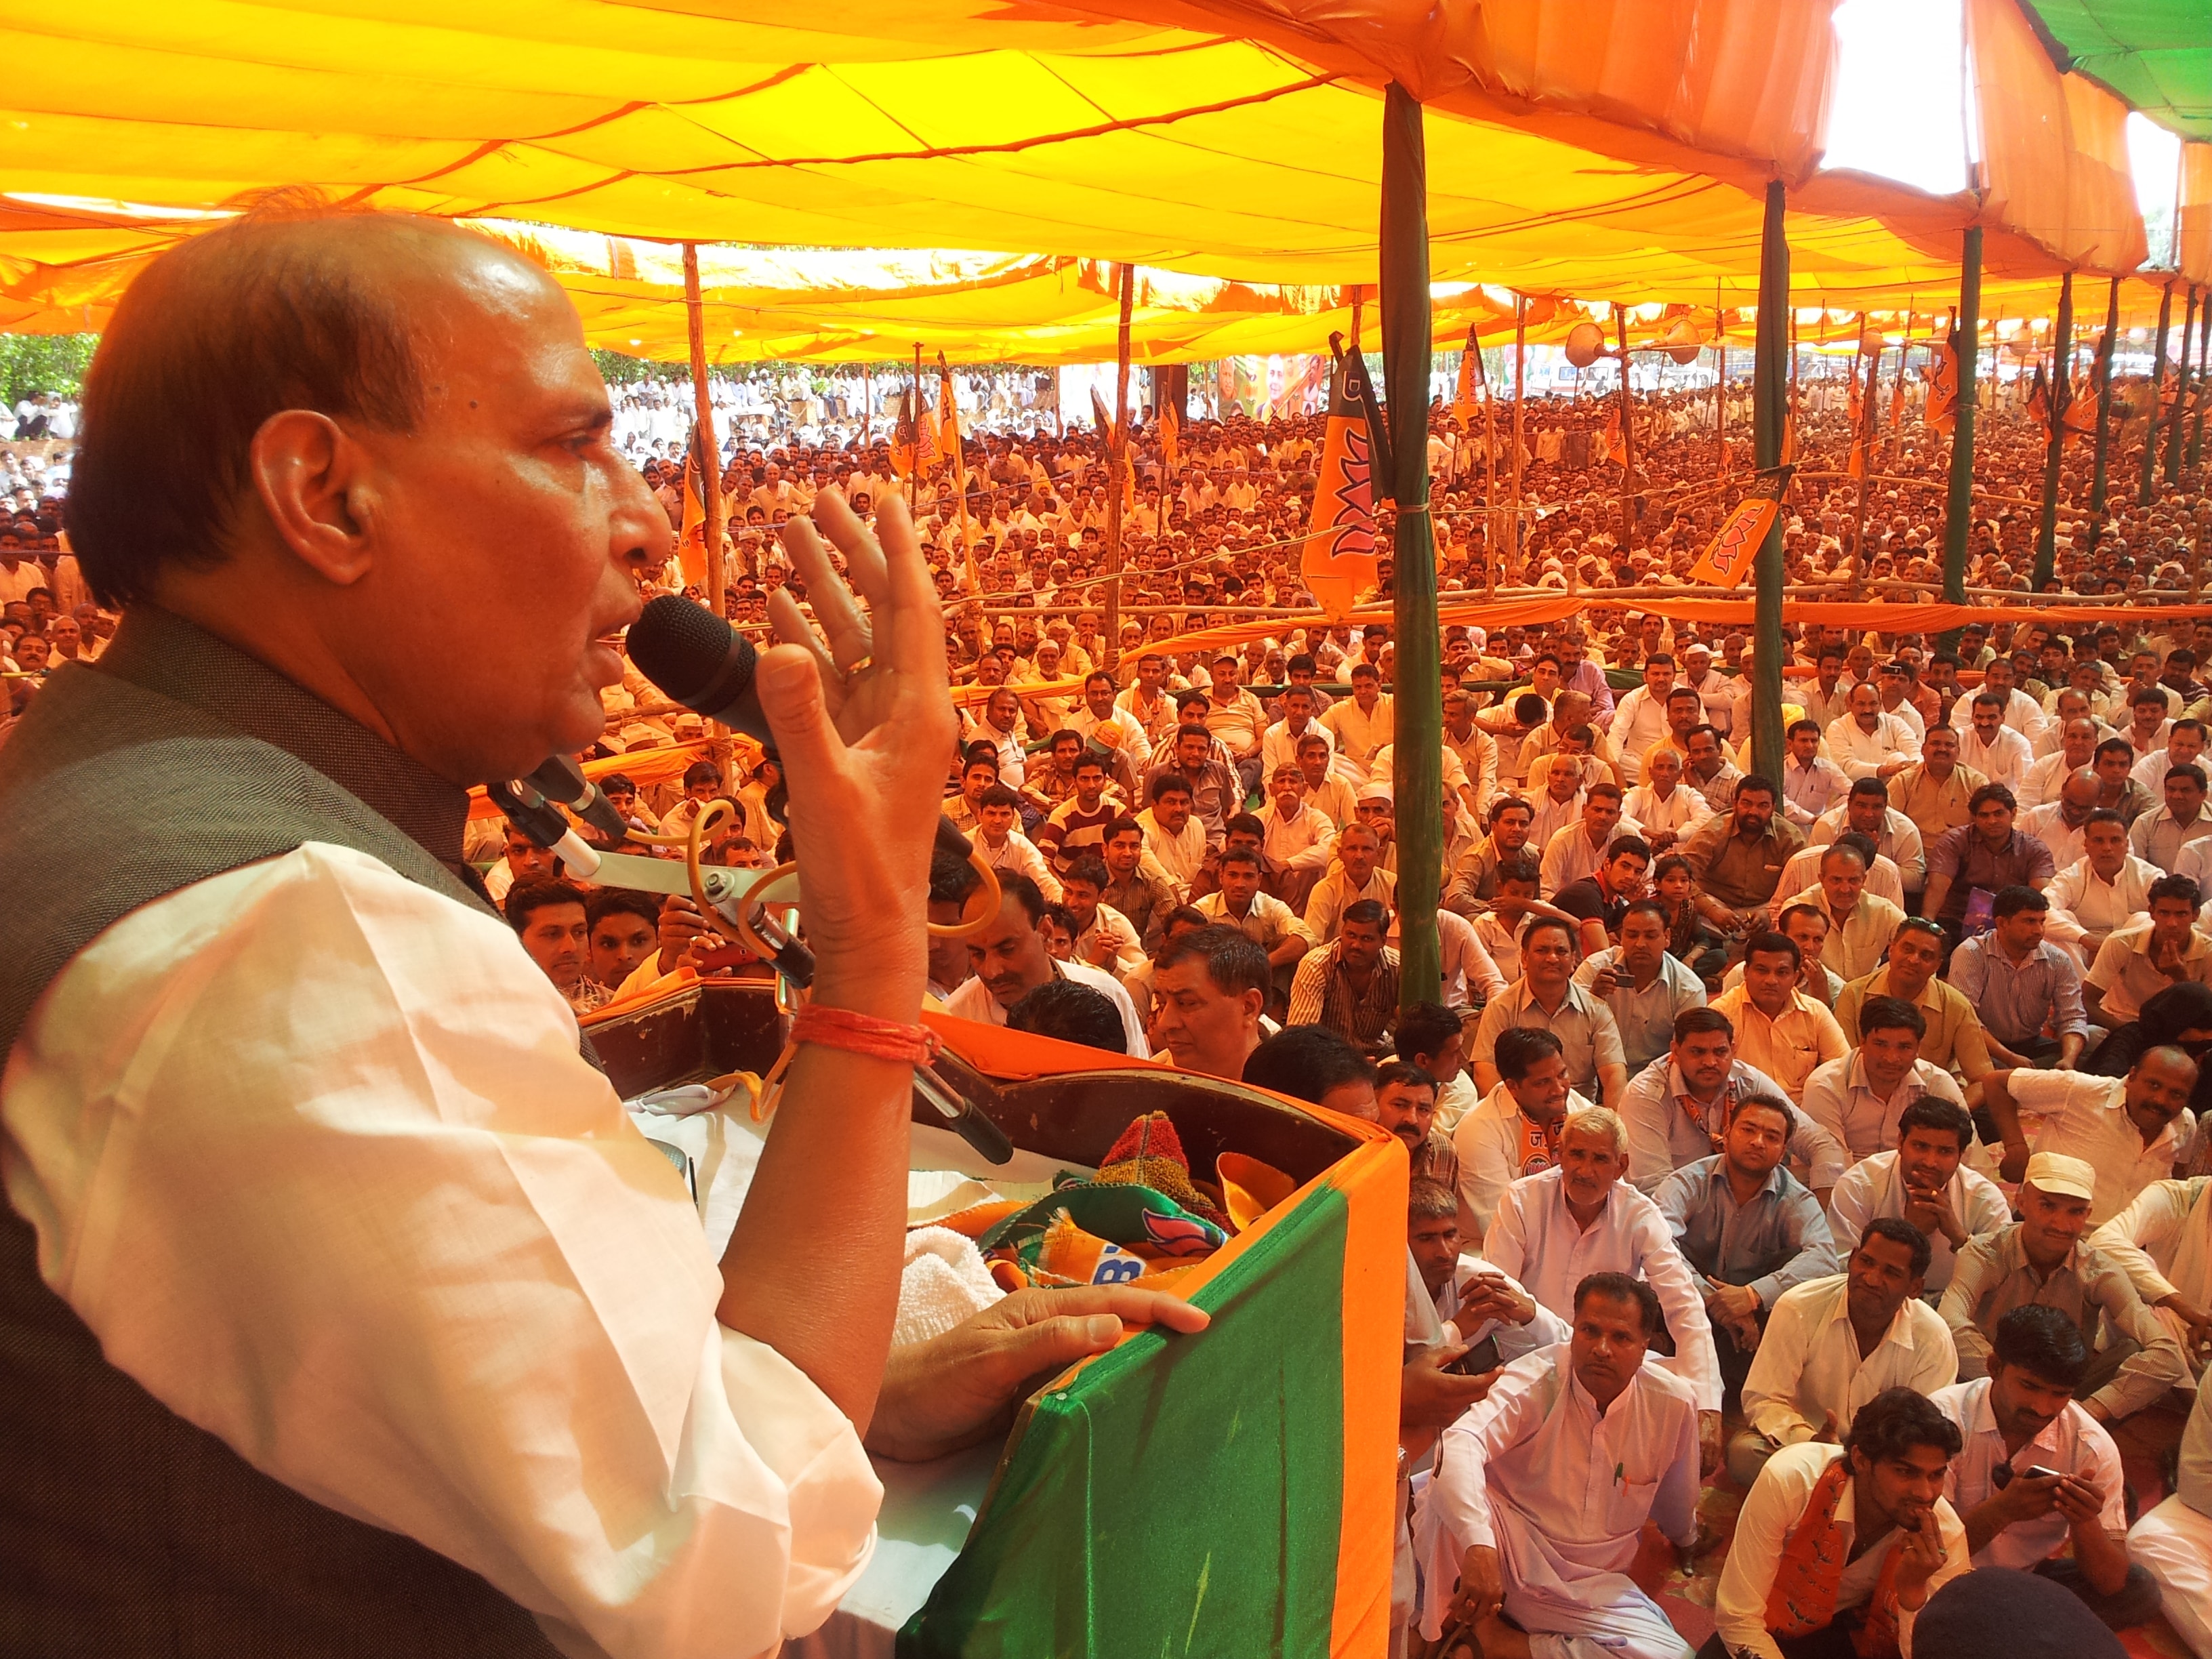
[2039,403]
[948,423]
[2079,419]
[1171,439]
[902,438]
[691,541]
[1942,413]
[1106,429]
[1612,448]
[1470,371]
[1338,562]
[1728,557]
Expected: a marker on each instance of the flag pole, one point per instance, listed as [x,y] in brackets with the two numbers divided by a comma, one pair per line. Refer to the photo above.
[2204,365]
[1863,440]
[1959,502]
[2148,487]
[2106,350]
[1417,730]
[2061,395]
[1897,388]
[2180,393]
[1520,417]
[1720,388]
[914,467]
[1769,393]
[1493,553]
[1117,461]
[1627,438]
[710,450]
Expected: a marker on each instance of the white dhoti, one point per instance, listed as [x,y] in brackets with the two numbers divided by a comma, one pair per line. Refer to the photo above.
[2175,1544]
[1570,1608]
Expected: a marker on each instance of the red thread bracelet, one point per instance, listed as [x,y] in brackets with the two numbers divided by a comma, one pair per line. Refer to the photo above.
[863,1034]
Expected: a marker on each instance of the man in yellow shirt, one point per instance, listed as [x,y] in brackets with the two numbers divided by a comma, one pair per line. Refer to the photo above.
[1779,1029]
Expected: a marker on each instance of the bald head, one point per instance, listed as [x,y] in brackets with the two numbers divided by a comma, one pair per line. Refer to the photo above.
[2079,791]
[362,447]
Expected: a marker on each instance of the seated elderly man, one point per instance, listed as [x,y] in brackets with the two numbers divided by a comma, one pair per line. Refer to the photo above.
[2042,1258]
[1859,1098]
[1779,1028]
[1747,1227]
[1542,1489]
[1838,1547]
[2163,1240]
[1925,1181]
[2020,984]
[2132,1130]
[1677,1109]
[2038,1482]
[1546,997]
[1833,1344]
[1555,1228]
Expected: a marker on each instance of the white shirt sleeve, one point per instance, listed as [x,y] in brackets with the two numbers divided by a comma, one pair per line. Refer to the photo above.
[311,1151]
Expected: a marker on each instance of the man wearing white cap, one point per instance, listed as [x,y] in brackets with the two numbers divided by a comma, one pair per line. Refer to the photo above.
[2041,1258]
[2128,1131]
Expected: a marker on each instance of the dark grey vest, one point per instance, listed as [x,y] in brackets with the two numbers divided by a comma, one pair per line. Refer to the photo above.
[125,1531]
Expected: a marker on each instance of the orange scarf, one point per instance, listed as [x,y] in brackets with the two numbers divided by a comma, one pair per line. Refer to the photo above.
[1539,1148]
[1803,1598]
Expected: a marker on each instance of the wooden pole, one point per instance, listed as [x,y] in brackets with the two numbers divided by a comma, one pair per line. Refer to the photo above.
[914,467]
[1897,391]
[2107,351]
[1627,438]
[1520,420]
[1492,543]
[1864,439]
[1770,393]
[710,450]
[1720,389]
[1117,462]
[2062,385]
[1959,502]
[2173,435]
[2148,487]
[1418,732]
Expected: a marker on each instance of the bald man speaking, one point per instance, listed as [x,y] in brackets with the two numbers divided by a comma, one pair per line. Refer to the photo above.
[342,1312]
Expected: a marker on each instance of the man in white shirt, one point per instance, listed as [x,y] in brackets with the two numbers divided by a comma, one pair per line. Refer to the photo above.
[1010,958]
[1878,1494]
[1811,782]
[2018,711]
[2107,889]
[1514,1130]
[534,1328]
[1554,1228]
[1832,1344]
[1002,847]
[1101,721]
[1639,719]
[1175,839]
[1868,744]
[2184,746]
[1925,1182]
[1988,746]
[2038,1475]
[2175,1540]
[1542,1489]
[2078,740]
[2062,822]
[2132,1130]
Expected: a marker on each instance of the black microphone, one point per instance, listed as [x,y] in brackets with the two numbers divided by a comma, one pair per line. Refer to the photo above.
[699,661]
[561,780]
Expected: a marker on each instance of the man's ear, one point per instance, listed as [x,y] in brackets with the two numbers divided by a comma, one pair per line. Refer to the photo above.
[313,480]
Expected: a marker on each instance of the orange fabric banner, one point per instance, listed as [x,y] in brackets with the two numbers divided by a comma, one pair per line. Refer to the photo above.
[1729,558]
[1340,558]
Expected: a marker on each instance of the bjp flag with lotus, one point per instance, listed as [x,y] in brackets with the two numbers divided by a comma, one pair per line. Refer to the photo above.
[1340,557]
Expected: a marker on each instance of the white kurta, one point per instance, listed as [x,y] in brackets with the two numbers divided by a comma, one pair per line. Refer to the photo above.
[2163,1242]
[2175,1540]
[1562,1491]
[1536,1239]
[309,1110]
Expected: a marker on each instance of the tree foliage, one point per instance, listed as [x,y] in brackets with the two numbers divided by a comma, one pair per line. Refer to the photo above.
[32,363]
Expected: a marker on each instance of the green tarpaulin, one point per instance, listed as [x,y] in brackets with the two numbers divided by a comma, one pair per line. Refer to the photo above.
[2156,54]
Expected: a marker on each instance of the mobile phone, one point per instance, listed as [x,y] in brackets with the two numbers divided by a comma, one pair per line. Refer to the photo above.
[2038,1472]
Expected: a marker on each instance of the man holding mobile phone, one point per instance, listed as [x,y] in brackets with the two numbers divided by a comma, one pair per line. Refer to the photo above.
[2036,1472]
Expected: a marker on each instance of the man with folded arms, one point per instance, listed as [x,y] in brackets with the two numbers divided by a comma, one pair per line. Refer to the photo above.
[2163,1240]
[1541,1491]
[1838,1547]
[2038,1475]
[1833,1344]
[1555,1228]
[2041,1258]
[1924,1181]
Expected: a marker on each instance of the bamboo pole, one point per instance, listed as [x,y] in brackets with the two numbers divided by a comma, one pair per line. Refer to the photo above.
[1864,440]
[1492,555]
[1117,462]
[710,449]
[1959,504]
[1520,420]
[2148,487]
[914,467]
[2203,366]
[1770,393]
[1896,394]
[2061,388]
[1627,439]
[2108,350]
[1417,732]
[2180,394]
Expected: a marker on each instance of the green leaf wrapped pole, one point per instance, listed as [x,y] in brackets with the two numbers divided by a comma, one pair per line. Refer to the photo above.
[1770,403]
[2061,386]
[1417,732]
[1959,504]
[2149,488]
